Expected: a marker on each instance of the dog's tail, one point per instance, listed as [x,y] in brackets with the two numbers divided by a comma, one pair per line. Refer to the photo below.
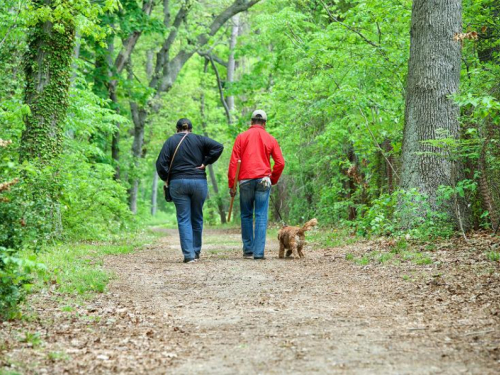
[307,226]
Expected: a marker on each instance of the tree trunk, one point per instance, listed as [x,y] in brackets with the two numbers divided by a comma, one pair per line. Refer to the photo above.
[149,63]
[149,74]
[139,118]
[211,172]
[76,55]
[389,163]
[484,186]
[351,183]
[48,72]
[115,140]
[154,194]
[232,62]
[433,76]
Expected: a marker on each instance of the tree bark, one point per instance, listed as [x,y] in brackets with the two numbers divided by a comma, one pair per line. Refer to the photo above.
[154,194]
[221,92]
[232,62]
[389,165]
[433,76]
[484,186]
[211,172]
[139,119]
[76,55]
[154,187]
[115,138]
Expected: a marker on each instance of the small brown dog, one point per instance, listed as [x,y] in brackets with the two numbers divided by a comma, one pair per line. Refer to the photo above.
[293,239]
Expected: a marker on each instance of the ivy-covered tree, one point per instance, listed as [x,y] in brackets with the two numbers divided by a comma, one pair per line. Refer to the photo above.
[47,63]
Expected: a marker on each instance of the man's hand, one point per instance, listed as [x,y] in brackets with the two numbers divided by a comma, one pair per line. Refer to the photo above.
[232,192]
[202,167]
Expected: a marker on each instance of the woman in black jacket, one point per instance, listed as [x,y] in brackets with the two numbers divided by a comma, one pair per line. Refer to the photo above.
[188,182]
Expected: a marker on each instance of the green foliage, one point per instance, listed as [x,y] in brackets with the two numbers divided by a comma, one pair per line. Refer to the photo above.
[63,13]
[494,256]
[15,280]
[33,339]
[387,216]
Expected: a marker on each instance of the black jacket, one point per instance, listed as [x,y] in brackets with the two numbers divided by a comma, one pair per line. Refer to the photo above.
[194,151]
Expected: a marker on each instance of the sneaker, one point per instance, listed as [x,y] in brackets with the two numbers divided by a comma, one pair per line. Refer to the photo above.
[260,258]
[197,256]
[189,260]
[247,256]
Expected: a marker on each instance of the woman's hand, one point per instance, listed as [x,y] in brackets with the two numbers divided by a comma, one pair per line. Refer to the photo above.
[202,167]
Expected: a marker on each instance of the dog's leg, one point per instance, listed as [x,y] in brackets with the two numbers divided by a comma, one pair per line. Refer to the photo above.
[288,253]
[282,250]
[293,246]
[299,249]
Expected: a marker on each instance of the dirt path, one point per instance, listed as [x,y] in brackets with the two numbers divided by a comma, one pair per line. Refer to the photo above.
[227,315]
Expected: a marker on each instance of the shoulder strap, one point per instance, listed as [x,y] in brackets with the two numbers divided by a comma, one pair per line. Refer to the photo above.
[173,157]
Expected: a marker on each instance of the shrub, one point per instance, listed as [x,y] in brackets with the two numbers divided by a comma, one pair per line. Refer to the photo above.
[388,216]
[15,280]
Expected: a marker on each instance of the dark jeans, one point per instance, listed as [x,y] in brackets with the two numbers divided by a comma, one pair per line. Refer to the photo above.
[254,197]
[189,197]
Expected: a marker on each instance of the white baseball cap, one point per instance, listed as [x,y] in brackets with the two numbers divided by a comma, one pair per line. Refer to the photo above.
[259,115]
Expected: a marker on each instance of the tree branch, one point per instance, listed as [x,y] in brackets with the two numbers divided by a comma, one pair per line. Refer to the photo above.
[163,55]
[382,151]
[216,58]
[221,91]
[173,67]
[131,41]
[335,19]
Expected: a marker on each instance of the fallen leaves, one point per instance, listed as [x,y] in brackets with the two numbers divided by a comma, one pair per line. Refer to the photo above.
[297,313]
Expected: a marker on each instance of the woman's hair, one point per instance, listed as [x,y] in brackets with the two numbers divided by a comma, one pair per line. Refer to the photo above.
[184,124]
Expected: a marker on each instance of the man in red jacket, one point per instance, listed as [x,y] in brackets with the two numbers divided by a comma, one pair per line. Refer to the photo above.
[254,148]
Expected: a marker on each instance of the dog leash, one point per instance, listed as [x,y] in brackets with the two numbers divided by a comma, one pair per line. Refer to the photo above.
[278,211]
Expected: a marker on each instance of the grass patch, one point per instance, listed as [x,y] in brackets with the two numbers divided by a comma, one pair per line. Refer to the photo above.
[331,237]
[397,255]
[416,257]
[9,372]
[77,268]
[375,257]
[33,339]
[58,356]
[494,256]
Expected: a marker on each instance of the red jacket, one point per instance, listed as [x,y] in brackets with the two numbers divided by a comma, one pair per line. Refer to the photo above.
[254,148]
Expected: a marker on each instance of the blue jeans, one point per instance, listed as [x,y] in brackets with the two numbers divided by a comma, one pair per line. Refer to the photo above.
[189,197]
[254,197]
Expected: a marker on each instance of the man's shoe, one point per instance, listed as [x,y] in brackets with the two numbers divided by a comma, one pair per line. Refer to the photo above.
[247,256]
[189,260]
[260,258]
[197,256]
